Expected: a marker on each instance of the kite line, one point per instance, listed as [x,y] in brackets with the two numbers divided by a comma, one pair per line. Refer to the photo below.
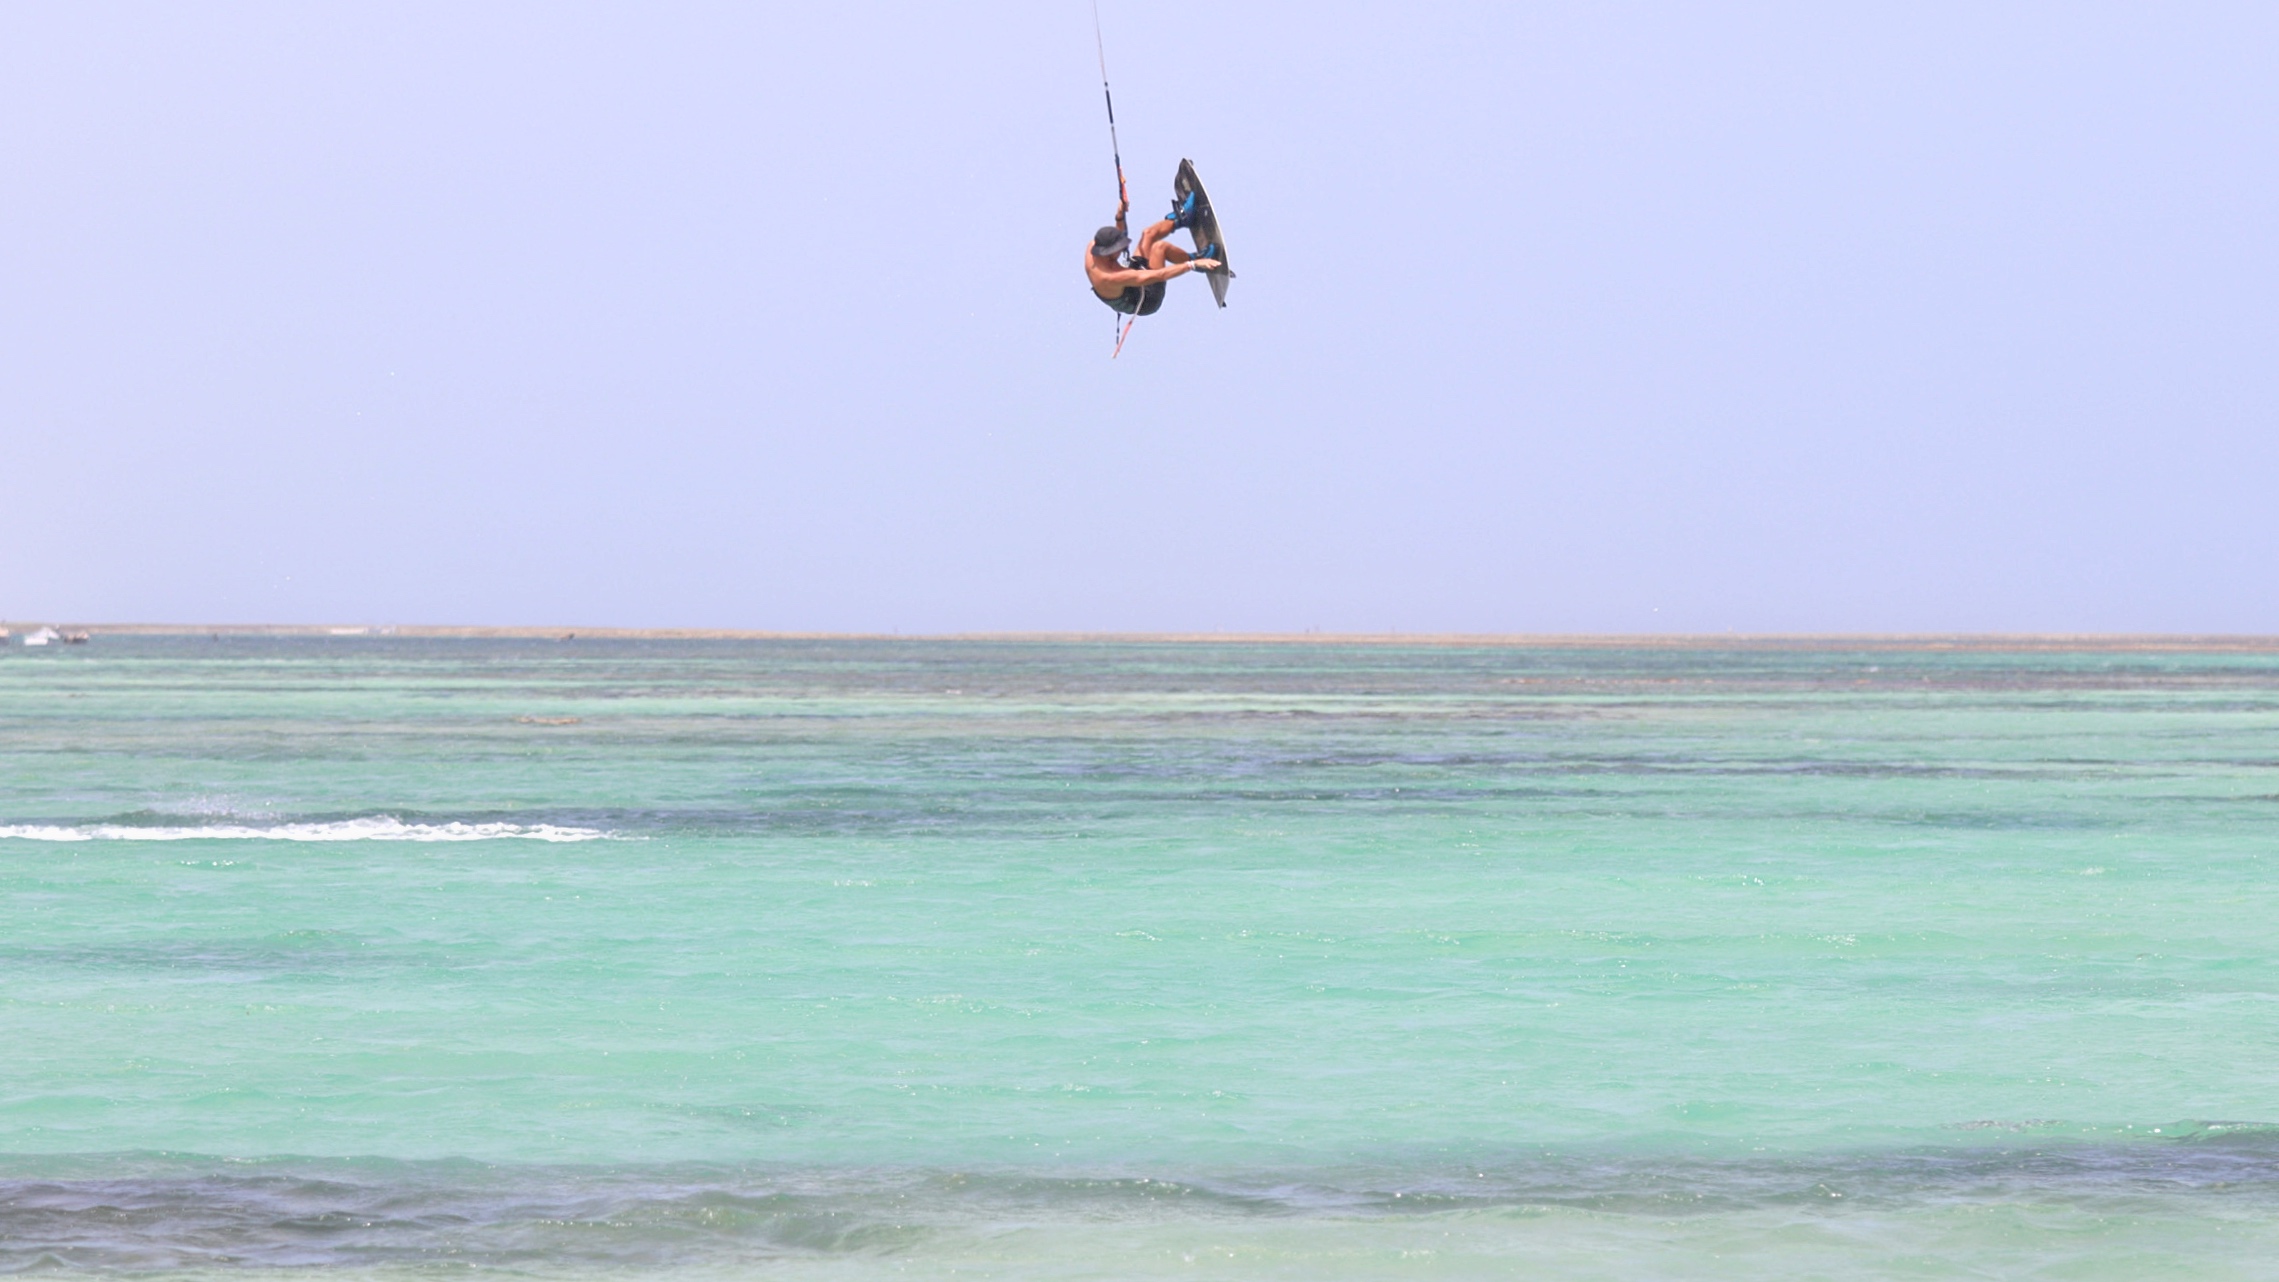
[1116,148]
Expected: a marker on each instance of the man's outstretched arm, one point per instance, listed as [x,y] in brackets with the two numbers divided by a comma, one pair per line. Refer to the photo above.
[1129,276]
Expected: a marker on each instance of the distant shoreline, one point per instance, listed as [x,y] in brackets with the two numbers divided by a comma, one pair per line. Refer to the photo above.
[1990,642]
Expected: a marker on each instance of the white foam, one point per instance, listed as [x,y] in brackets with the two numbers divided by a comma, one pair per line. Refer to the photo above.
[374,828]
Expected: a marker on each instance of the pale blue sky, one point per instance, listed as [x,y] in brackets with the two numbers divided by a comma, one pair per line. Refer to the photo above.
[1590,316]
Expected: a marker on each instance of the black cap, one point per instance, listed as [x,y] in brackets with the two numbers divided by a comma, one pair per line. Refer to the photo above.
[1110,240]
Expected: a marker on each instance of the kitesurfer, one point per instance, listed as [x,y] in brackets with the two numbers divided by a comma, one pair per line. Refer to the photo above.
[1126,285]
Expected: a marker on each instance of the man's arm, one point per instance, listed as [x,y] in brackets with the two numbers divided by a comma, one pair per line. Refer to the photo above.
[1149,275]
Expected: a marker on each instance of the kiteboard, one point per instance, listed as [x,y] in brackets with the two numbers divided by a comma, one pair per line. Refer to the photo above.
[1205,229]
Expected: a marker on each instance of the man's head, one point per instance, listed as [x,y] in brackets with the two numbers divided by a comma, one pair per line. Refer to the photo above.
[1110,241]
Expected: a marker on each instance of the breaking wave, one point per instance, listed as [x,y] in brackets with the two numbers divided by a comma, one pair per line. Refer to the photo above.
[129,1213]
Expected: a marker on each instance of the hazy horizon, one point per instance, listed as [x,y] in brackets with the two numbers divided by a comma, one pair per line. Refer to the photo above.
[1959,642]
[1759,318]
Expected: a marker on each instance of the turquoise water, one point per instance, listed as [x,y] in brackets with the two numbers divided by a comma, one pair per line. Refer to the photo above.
[840,959]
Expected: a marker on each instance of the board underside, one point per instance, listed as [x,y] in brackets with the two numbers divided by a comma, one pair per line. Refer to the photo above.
[1205,230]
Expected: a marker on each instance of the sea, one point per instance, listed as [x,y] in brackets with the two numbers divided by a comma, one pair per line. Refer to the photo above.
[392,956]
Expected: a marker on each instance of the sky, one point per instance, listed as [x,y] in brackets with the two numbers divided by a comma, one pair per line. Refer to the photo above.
[1558,317]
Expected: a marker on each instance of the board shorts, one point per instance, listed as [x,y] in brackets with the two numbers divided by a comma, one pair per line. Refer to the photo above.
[1137,300]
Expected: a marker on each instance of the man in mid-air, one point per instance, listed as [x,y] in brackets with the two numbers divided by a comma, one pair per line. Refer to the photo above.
[1135,290]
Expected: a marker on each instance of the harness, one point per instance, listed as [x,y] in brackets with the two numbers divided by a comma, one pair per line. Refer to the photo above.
[1135,300]
[1127,302]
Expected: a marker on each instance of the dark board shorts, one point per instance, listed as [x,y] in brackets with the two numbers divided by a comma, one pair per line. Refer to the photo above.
[1137,301]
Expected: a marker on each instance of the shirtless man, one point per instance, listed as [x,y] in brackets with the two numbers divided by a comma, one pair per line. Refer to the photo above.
[1137,290]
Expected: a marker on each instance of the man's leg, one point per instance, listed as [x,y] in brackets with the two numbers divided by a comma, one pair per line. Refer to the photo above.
[1164,251]
[1155,247]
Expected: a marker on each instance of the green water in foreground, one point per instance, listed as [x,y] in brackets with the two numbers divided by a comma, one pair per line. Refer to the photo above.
[1077,960]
